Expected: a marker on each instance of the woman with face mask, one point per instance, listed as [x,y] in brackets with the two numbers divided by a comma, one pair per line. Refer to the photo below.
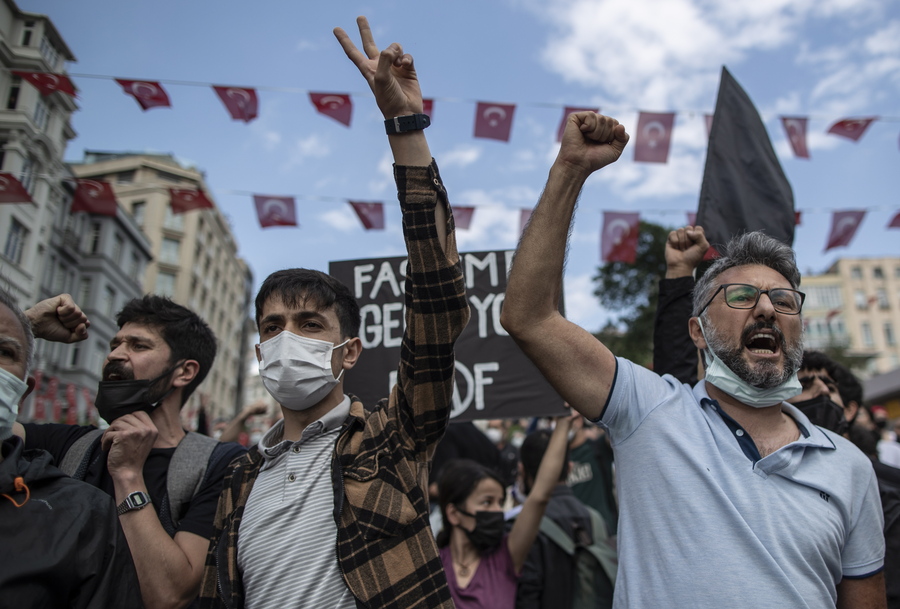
[481,559]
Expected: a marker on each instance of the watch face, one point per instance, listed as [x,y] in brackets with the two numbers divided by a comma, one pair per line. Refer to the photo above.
[138,499]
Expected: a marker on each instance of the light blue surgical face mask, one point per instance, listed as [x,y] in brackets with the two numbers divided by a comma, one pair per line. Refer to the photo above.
[11,391]
[724,379]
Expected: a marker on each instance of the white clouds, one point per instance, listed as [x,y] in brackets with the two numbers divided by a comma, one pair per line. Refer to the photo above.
[461,156]
[582,307]
[305,148]
[342,219]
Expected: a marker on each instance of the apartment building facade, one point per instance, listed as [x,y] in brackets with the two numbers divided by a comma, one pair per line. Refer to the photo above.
[856,304]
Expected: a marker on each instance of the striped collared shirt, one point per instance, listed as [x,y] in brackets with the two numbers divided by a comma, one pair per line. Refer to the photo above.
[286,548]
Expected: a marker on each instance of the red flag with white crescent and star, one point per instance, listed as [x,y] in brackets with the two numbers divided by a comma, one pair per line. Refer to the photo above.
[12,190]
[47,82]
[618,242]
[566,112]
[370,214]
[844,225]
[895,221]
[852,128]
[428,107]
[336,105]
[242,103]
[94,197]
[795,128]
[147,93]
[275,211]
[462,216]
[654,137]
[494,121]
[186,199]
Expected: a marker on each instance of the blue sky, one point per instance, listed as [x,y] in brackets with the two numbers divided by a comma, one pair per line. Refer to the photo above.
[826,59]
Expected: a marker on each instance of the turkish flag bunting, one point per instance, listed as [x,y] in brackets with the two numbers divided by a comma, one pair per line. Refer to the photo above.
[12,191]
[708,119]
[795,127]
[47,83]
[832,314]
[275,211]
[852,128]
[566,112]
[462,216]
[895,222]
[524,217]
[618,243]
[797,218]
[40,409]
[241,103]
[844,225]
[428,107]
[692,218]
[149,94]
[654,135]
[336,105]
[184,199]
[370,214]
[494,121]
[72,410]
[94,197]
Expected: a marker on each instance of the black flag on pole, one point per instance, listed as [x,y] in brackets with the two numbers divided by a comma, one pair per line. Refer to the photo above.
[744,188]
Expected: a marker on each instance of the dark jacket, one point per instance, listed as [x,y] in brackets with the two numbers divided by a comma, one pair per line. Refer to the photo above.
[62,543]
[385,547]
[548,578]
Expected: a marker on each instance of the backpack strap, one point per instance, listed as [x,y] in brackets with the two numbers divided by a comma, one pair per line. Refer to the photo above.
[77,459]
[557,535]
[186,474]
[602,549]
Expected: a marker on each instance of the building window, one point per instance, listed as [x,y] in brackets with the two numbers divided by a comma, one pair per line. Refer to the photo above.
[173,221]
[94,242]
[73,355]
[41,114]
[856,272]
[84,297]
[138,208]
[59,281]
[165,284]
[889,334]
[12,100]
[878,273]
[135,270]
[49,53]
[15,241]
[168,251]
[27,33]
[859,298]
[168,177]
[27,174]
[109,304]
[125,177]
[867,339]
[823,297]
[896,268]
[881,295]
[118,246]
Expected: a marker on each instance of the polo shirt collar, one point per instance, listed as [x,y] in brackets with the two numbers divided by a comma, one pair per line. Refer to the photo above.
[272,447]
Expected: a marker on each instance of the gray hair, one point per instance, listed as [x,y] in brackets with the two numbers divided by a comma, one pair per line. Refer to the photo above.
[10,303]
[744,249]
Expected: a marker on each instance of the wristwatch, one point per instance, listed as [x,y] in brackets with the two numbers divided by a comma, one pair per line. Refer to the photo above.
[134,501]
[404,124]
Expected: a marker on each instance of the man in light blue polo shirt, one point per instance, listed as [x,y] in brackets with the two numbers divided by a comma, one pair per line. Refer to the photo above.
[729,496]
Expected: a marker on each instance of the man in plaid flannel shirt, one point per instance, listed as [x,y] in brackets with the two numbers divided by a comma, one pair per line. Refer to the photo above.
[349,525]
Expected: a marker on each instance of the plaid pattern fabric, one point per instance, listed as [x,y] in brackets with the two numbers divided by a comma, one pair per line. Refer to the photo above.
[385,546]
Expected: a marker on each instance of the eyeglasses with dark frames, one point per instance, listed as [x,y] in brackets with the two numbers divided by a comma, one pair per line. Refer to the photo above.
[745,296]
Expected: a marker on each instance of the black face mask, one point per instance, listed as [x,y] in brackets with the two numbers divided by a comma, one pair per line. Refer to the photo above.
[118,398]
[823,412]
[489,529]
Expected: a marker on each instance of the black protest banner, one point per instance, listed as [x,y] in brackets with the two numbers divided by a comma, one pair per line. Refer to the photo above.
[494,379]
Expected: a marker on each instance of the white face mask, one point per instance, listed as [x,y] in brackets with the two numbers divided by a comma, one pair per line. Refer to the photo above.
[493,434]
[11,391]
[296,370]
[720,375]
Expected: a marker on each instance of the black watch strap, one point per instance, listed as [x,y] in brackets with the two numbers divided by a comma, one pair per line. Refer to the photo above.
[134,501]
[402,124]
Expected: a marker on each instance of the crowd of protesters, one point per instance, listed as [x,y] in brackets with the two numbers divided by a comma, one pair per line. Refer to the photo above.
[767,482]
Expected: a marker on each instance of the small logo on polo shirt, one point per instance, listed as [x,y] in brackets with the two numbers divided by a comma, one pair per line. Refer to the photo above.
[824,495]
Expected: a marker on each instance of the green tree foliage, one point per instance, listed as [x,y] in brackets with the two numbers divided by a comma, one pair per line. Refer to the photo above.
[630,291]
